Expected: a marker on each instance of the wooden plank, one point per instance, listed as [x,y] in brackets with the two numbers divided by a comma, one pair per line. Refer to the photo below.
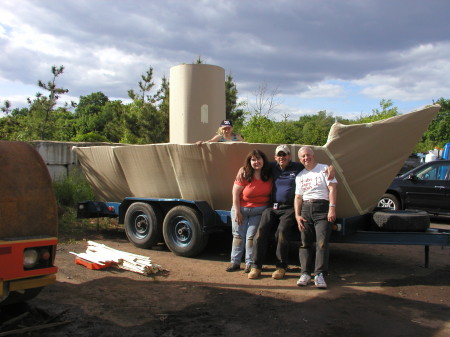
[102,254]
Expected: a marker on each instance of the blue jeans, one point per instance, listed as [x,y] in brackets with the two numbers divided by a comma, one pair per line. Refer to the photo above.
[317,229]
[243,234]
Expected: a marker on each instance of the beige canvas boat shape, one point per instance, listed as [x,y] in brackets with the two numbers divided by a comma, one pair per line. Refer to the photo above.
[366,156]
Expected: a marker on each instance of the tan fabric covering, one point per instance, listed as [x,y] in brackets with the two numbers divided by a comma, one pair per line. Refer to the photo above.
[366,156]
[197,102]
[104,172]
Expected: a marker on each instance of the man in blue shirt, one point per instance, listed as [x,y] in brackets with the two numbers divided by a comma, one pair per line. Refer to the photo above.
[281,214]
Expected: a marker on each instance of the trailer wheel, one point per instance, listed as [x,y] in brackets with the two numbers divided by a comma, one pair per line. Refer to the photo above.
[183,233]
[401,221]
[389,201]
[143,225]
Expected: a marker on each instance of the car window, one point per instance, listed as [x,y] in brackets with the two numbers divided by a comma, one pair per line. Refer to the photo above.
[436,171]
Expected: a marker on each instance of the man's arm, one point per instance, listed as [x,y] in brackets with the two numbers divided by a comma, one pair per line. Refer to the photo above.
[330,172]
[332,189]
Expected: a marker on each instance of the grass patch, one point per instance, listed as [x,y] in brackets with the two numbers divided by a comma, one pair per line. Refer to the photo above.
[69,191]
[73,189]
[72,230]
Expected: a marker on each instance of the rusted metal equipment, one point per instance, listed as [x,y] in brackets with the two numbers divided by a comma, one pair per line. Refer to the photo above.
[28,223]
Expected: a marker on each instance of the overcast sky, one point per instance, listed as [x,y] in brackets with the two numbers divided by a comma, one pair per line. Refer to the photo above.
[342,56]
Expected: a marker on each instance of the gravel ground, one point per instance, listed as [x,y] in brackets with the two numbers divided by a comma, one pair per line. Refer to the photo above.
[374,290]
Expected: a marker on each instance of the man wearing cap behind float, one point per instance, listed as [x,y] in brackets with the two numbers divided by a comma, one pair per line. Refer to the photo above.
[281,215]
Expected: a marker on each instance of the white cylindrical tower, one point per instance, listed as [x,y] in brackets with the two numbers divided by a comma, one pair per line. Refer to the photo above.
[197,102]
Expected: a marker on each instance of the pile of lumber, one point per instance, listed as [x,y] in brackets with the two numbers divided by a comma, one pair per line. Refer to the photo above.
[102,255]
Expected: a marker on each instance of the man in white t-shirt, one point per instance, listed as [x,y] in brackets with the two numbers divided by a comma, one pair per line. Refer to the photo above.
[315,211]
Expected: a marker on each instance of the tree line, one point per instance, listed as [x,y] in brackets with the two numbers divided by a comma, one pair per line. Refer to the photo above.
[95,118]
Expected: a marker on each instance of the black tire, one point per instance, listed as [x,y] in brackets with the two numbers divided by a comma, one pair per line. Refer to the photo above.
[389,201]
[15,297]
[401,221]
[143,224]
[183,232]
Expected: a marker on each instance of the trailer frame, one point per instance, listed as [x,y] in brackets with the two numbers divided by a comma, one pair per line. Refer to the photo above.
[355,229]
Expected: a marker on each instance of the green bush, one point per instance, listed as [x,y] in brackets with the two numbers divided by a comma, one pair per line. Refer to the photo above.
[69,191]
[90,137]
[72,189]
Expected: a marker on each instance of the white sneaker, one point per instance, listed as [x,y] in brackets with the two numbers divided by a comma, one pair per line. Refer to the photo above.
[303,280]
[319,281]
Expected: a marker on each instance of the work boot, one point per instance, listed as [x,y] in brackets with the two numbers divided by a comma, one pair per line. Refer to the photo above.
[279,273]
[248,267]
[254,273]
[233,267]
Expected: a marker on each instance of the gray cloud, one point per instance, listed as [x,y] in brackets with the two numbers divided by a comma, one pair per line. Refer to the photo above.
[106,45]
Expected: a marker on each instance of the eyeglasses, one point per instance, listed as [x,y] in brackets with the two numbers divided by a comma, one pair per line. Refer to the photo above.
[281,154]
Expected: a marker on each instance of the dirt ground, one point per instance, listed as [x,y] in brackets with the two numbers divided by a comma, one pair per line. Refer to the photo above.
[373,290]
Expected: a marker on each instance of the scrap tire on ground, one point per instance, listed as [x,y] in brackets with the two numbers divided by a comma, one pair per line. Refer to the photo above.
[401,221]
[183,233]
[143,224]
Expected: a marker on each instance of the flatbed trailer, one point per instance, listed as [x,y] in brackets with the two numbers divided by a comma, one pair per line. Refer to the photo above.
[184,225]
[357,230]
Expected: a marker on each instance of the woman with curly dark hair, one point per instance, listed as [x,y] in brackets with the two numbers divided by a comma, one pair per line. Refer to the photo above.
[251,195]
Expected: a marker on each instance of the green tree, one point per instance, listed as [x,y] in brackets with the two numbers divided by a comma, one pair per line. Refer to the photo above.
[233,109]
[313,129]
[114,129]
[64,125]
[145,86]
[387,111]
[258,129]
[89,114]
[96,99]
[146,118]
[9,127]
[45,105]
[20,112]
[438,132]
[144,124]
[198,61]
[162,99]
[6,108]
[38,121]
[90,137]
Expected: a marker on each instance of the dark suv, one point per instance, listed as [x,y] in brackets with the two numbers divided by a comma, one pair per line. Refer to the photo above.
[426,187]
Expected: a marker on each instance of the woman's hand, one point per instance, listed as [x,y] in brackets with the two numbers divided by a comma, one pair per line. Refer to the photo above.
[238,218]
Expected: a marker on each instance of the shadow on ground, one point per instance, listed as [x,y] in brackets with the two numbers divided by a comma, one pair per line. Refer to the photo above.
[116,306]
